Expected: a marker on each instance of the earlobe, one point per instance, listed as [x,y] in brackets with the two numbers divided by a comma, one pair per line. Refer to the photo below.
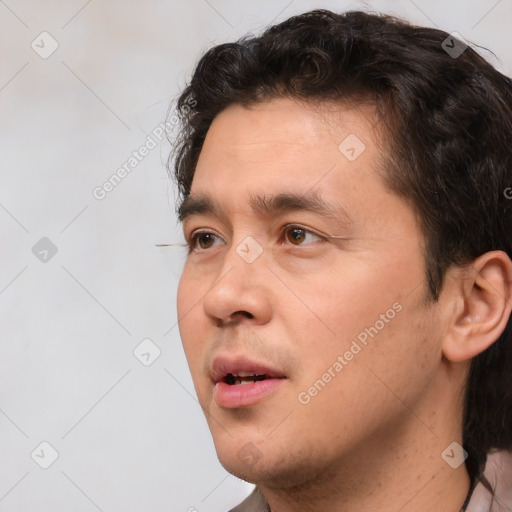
[484,295]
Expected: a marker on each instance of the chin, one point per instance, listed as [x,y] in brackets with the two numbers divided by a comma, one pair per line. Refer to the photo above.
[243,458]
[240,470]
[271,468]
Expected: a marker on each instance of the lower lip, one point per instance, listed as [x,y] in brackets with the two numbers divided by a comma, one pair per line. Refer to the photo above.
[232,396]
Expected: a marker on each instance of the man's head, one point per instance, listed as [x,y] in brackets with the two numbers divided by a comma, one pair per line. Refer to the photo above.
[344,185]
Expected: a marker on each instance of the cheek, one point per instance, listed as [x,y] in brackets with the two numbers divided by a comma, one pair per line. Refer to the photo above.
[369,393]
[189,309]
[336,305]
[192,288]
[182,299]
[369,318]
[185,294]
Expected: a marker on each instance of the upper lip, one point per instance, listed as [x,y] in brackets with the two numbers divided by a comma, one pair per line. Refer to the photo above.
[224,365]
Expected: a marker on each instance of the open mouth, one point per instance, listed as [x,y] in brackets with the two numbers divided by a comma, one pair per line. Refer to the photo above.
[244,389]
[239,381]
[243,378]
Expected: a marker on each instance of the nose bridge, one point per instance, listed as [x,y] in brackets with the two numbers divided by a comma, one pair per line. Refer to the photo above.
[244,259]
[240,287]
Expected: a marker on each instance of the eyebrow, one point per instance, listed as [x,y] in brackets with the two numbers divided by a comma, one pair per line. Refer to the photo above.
[268,205]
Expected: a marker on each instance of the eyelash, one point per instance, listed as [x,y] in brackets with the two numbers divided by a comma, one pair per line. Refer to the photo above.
[195,234]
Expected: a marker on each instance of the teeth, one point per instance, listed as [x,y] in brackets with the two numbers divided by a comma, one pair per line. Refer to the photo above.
[243,378]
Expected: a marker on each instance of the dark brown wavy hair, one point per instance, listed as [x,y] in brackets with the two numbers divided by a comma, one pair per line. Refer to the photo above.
[448,128]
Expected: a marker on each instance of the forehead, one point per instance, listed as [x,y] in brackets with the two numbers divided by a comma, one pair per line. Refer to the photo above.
[284,141]
[267,131]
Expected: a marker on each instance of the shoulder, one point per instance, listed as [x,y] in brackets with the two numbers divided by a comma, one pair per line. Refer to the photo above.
[493,490]
[255,502]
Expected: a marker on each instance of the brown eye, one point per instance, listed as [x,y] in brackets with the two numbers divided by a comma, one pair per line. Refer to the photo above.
[300,236]
[203,240]
[296,235]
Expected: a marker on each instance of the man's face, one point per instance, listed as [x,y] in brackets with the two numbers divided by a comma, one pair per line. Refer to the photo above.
[338,327]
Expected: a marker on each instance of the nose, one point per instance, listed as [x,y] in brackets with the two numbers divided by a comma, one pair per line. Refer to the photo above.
[240,293]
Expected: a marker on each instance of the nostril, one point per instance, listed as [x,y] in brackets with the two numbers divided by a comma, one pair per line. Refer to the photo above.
[233,318]
[245,314]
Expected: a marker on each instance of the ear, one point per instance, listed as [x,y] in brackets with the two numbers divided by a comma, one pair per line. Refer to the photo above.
[482,298]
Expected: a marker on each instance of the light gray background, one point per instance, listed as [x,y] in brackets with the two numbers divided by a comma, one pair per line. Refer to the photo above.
[129,437]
